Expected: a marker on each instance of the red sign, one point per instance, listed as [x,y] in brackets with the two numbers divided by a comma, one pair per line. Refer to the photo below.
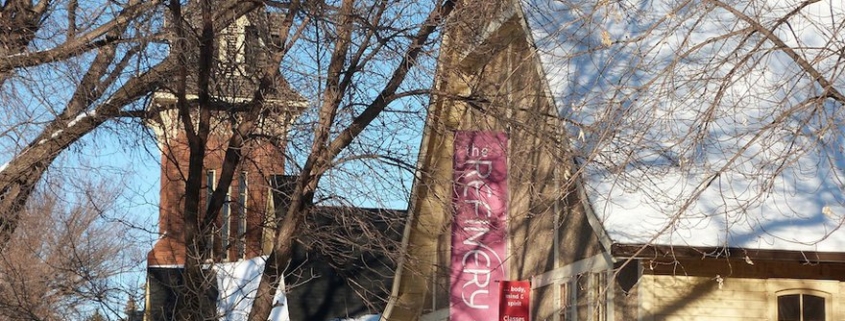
[515,301]
[479,230]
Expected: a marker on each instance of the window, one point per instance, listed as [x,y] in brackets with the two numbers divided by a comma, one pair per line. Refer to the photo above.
[278,195]
[229,53]
[565,301]
[801,307]
[225,229]
[598,297]
[279,181]
[242,198]
[209,189]
[252,50]
[802,300]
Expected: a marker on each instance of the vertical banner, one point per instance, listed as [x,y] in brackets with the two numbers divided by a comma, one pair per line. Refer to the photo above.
[514,301]
[479,230]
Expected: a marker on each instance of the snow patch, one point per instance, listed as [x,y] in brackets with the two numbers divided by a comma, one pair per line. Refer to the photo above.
[237,283]
[368,317]
[87,114]
[667,163]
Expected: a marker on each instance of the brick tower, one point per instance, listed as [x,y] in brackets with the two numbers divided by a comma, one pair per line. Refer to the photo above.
[247,216]
[247,211]
[238,232]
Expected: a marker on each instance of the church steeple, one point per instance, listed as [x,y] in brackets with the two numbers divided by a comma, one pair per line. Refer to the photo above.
[241,53]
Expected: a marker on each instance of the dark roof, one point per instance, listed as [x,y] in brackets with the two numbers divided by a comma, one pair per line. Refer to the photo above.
[347,255]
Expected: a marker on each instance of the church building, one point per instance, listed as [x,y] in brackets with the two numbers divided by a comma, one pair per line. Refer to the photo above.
[595,160]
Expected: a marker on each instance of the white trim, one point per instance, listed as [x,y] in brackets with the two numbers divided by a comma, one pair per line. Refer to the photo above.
[178,266]
[423,158]
[572,295]
[169,97]
[594,221]
[592,296]
[538,64]
[166,266]
[610,296]
[226,221]
[147,299]
[828,301]
[496,24]
[595,263]
[592,218]
[556,301]
[489,31]
[243,191]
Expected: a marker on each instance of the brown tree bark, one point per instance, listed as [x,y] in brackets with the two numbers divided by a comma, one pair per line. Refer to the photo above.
[324,151]
[199,280]
[24,170]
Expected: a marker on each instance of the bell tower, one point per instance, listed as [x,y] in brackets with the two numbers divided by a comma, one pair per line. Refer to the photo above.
[248,211]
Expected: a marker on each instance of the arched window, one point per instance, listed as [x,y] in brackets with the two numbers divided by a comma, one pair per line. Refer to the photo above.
[801,306]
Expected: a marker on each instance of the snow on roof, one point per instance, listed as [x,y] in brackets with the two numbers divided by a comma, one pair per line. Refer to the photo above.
[368,317]
[237,283]
[695,131]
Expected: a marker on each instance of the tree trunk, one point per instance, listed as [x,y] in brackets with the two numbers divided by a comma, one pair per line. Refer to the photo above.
[24,170]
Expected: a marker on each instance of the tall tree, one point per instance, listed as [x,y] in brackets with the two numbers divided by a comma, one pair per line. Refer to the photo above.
[364,38]
[66,256]
[105,57]
[347,60]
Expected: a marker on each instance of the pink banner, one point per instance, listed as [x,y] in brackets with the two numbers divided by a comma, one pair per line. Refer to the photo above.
[479,231]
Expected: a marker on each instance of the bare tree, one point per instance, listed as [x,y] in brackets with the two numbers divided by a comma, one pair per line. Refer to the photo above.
[69,68]
[348,62]
[366,44]
[737,103]
[711,121]
[65,258]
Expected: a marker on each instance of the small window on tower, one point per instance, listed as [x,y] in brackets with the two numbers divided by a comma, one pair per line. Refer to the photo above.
[225,228]
[209,188]
[252,50]
[230,40]
[242,211]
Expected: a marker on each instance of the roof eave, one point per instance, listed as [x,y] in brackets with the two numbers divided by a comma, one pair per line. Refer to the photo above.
[671,252]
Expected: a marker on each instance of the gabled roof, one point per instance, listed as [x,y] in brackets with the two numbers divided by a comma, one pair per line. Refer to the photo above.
[684,142]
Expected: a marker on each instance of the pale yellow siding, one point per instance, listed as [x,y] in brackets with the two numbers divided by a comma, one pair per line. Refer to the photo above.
[681,298]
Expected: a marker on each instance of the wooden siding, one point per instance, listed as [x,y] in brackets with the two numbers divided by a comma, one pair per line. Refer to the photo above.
[506,94]
[689,298]
[508,84]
